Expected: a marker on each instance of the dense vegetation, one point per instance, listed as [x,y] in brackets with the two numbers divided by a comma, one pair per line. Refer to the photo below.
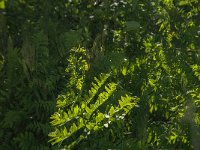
[99,74]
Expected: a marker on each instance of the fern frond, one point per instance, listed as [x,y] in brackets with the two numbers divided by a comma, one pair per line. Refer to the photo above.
[196,70]
[76,69]
[87,116]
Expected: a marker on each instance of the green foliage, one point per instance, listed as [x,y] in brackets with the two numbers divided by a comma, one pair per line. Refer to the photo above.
[23,98]
[85,112]
[1,62]
[132,25]
[196,70]
[2,4]
[28,88]
[149,49]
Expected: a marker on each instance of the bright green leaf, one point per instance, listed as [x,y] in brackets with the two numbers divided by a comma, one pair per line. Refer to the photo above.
[2,5]
[132,25]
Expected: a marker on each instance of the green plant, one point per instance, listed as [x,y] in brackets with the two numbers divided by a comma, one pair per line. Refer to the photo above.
[149,49]
[80,112]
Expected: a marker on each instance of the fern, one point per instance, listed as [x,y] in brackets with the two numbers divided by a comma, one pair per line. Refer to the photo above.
[85,112]
[76,71]
[196,70]
[25,93]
